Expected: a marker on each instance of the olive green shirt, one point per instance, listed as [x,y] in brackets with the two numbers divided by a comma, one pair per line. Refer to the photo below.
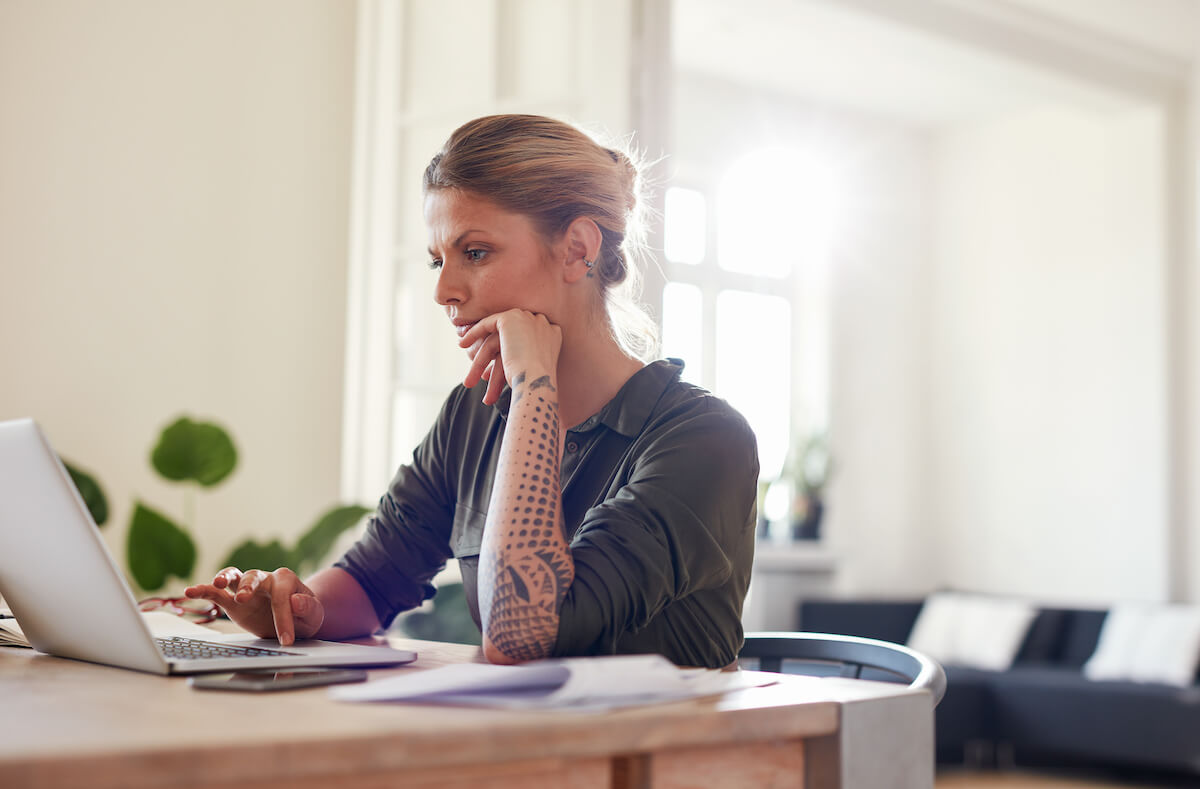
[658,494]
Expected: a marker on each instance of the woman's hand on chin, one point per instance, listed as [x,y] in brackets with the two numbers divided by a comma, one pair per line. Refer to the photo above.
[512,342]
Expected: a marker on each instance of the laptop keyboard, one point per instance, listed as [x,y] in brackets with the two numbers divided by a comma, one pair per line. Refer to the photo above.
[180,648]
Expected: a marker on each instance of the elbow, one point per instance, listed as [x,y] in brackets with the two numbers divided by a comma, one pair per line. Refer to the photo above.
[493,654]
[516,652]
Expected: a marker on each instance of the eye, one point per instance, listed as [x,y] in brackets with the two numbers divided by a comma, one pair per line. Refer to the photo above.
[476,255]
[435,264]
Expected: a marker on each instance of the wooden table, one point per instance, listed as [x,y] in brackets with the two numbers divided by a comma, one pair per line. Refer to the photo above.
[67,723]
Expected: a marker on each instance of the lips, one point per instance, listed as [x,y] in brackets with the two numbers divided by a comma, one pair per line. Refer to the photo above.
[462,327]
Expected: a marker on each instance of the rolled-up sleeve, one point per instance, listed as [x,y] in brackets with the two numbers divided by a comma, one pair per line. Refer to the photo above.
[678,526]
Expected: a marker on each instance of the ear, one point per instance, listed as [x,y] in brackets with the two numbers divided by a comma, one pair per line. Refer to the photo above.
[581,241]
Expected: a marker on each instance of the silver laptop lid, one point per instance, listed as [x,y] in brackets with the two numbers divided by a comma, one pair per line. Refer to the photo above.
[56,574]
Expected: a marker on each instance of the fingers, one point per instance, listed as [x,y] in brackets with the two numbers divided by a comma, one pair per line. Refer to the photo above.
[307,613]
[487,351]
[475,346]
[248,585]
[227,577]
[220,597]
[270,594]
[496,382]
[217,590]
[529,340]
[270,605]
[280,593]
[481,330]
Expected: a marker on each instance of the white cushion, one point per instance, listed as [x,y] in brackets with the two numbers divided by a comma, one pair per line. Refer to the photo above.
[1142,642]
[976,631]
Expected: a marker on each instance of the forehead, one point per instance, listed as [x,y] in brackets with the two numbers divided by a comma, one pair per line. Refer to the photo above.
[451,212]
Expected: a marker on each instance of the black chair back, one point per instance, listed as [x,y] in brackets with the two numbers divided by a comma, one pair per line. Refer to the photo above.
[850,654]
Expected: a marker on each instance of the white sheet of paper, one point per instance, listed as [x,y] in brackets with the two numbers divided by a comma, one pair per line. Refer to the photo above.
[590,684]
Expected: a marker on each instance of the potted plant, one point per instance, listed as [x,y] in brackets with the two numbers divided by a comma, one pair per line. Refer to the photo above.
[812,474]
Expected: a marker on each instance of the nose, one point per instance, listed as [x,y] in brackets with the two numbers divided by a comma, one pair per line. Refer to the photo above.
[450,286]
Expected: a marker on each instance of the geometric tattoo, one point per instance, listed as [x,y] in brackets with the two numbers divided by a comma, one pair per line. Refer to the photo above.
[522,588]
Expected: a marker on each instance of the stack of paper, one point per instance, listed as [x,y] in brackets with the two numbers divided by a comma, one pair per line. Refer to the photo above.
[583,684]
[10,631]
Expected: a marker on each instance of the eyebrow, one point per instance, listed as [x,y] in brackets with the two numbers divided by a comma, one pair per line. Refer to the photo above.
[455,242]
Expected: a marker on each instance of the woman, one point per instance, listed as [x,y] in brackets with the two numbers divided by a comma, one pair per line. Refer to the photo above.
[597,504]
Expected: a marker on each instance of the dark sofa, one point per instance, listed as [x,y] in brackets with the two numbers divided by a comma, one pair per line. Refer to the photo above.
[1042,709]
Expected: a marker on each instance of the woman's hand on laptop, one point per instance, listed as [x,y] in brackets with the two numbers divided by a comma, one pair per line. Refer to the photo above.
[269,605]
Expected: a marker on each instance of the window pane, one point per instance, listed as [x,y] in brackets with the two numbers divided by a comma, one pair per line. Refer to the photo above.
[683,225]
[754,368]
[682,328]
[776,209]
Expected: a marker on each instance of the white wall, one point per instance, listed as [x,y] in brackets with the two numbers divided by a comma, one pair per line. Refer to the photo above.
[1049,458]
[1168,27]
[1191,347]
[879,525]
[173,237]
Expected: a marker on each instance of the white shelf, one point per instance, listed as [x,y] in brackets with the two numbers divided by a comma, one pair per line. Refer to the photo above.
[793,557]
[783,575]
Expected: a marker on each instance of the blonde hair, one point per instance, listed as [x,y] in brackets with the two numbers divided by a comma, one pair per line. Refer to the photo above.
[554,173]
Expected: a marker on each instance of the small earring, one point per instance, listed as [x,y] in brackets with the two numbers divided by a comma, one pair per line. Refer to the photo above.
[589,263]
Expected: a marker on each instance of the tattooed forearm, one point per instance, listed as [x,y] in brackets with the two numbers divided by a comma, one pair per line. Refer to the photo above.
[525,566]
[523,623]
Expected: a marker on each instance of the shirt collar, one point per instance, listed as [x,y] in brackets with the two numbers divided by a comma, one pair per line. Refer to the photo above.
[628,411]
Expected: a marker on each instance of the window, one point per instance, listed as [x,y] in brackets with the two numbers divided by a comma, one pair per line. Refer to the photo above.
[749,320]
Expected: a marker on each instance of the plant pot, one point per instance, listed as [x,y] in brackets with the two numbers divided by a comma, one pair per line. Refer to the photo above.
[808,527]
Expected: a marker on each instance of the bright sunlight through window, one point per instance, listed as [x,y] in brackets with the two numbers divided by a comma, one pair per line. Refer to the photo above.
[684,226]
[754,355]
[683,328]
[776,209]
[735,317]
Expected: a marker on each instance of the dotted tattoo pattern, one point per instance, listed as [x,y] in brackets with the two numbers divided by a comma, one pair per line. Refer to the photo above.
[532,571]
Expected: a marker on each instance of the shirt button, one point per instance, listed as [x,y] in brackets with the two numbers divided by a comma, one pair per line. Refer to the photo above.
[572,446]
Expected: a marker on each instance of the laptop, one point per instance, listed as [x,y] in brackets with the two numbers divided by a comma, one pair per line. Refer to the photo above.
[71,600]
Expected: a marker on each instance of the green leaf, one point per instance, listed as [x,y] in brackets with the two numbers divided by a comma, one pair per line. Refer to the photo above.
[157,548]
[91,492]
[250,555]
[450,620]
[200,452]
[319,539]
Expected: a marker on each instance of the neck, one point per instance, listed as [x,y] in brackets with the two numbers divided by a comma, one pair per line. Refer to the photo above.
[591,370]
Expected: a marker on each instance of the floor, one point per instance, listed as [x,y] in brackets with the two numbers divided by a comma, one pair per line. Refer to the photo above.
[1027,779]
